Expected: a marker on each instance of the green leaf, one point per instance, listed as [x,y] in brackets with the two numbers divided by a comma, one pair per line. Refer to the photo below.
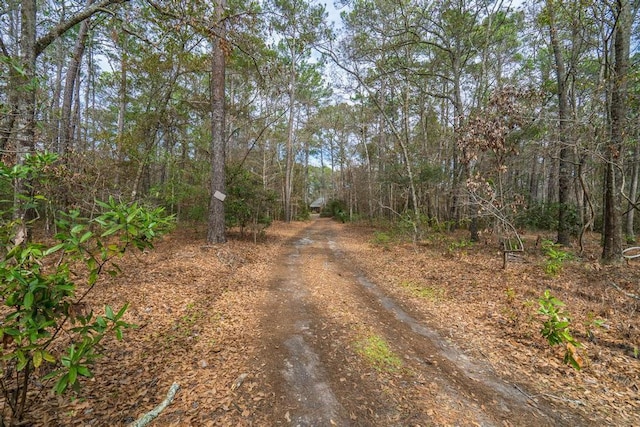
[48,357]
[93,277]
[84,371]
[28,300]
[77,228]
[62,383]
[22,360]
[111,231]
[52,374]
[122,311]
[108,312]
[37,358]
[132,216]
[73,375]
[86,236]
[100,322]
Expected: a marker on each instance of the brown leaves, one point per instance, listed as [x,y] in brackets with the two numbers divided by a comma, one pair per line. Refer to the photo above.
[489,130]
[491,314]
[201,314]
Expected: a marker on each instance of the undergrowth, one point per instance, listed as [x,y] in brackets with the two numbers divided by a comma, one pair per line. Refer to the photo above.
[432,293]
[378,353]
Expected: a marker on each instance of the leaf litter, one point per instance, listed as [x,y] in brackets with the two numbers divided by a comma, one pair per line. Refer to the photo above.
[198,311]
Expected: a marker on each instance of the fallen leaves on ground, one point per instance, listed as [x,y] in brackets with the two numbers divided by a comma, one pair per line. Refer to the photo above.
[195,310]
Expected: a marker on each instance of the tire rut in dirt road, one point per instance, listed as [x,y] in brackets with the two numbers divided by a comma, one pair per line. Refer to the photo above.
[307,398]
[321,307]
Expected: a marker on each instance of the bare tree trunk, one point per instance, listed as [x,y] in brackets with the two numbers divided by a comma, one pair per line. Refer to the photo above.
[612,248]
[633,194]
[24,136]
[54,106]
[122,107]
[382,142]
[563,116]
[289,160]
[459,180]
[369,170]
[216,232]
[65,130]
[407,159]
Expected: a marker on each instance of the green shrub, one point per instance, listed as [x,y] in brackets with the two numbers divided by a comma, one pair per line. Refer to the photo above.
[381,238]
[461,244]
[248,205]
[540,216]
[555,257]
[336,209]
[555,328]
[39,291]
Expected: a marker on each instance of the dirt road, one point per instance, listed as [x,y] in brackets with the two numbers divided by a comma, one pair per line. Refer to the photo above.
[323,316]
[320,325]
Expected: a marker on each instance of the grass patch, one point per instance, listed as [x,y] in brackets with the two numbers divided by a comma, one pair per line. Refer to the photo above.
[459,245]
[382,239]
[432,293]
[377,352]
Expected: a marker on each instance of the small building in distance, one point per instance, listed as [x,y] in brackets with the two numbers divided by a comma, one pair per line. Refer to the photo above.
[317,205]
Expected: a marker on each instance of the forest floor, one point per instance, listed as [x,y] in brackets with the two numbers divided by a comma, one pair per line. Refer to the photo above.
[323,323]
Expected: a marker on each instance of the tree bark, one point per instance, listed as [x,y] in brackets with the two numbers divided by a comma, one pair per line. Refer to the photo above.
[563,116]
[289,160]
[65,130]
[55,32]
[633,193]
[216,230]
[612,233]
[122,108]
[24,135]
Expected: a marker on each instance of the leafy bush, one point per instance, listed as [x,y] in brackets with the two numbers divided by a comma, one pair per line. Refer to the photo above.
[336,209]
[248,203]
[461,244]
[540,216]
[381,238]
[39,291]
[556,330]
[555,257]
[303,213]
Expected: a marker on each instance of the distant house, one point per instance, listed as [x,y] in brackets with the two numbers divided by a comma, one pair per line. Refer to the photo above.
[317,205]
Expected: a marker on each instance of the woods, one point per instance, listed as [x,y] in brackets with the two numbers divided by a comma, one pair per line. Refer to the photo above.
[491,116]
[373,112]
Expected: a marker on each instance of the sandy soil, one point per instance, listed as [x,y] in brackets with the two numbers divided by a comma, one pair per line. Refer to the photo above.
[282,332]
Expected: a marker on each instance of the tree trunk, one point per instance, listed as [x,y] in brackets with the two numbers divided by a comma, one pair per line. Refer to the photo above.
[612,233]
[289,160]
[216,229]
[24,135]
[54,106]
[563,116]
[65,130]
[633,194]
[122,108]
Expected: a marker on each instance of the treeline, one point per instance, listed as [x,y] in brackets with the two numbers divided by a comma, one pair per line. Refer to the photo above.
[473,113]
